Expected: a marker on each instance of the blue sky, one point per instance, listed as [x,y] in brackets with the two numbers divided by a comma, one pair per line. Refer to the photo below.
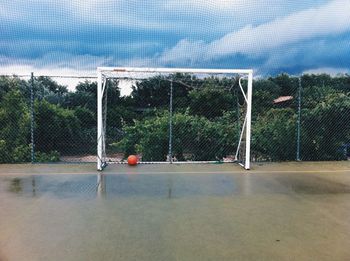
[74,36]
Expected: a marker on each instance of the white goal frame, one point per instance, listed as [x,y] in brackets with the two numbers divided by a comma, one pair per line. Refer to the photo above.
[104,73]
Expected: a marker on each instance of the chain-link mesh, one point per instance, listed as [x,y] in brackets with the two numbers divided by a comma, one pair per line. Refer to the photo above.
[175,117]
[59,122]
[325,118]
[15,119]
[306,118]
[65,121]
[200,133]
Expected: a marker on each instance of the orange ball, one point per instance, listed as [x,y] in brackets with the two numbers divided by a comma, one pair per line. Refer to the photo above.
[132,160]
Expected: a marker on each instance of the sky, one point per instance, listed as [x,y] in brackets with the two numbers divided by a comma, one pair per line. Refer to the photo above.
[73,37]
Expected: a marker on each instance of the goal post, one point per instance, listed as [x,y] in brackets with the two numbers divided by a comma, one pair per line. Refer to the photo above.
[100,139]
[136,75]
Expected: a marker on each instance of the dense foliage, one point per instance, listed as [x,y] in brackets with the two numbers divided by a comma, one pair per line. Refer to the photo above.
[194,137]
[207,114]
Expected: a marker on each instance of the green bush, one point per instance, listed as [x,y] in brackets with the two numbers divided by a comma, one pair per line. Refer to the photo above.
[220,100]
[58,129]
[326,127]
[22,154]
[14,128]
[274,135]
[52,156]
[194,137]
[4,153]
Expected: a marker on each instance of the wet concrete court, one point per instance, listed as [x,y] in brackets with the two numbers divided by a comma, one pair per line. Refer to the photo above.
[292,211]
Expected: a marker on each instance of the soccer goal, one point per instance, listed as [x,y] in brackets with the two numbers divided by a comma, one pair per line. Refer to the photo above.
[173,115]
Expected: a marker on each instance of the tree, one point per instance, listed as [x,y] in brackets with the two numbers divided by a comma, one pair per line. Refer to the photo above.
[310,80]
[313,95]
[274,135]
[289,85]
[264,92]
[8,83]
[46,88]
[194,137]
[15,128]
[85,95]
[57,128]
[326,128]
[211,102]
[52,85]
[155,91]
[5,86]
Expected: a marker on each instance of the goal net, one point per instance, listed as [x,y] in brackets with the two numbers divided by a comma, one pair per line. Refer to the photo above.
[173,115]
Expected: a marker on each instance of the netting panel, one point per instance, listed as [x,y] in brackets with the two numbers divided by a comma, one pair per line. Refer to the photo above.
[177,117]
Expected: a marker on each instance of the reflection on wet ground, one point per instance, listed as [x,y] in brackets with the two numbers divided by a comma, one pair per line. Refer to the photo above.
[304,184]
[221,216]
[170,186]
[86,186]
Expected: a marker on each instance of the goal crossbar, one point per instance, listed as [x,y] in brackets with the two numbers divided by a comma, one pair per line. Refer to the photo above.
[170,70]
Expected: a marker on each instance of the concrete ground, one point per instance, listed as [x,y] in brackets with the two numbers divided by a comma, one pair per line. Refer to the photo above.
[276,211]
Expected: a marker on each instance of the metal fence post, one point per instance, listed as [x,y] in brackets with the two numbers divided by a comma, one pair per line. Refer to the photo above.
[170,154]
[299,120]
[32,118]
[238,116]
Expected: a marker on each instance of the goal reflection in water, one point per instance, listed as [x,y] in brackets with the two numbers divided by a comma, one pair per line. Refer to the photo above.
[120,185]
[101,185]
[87,186]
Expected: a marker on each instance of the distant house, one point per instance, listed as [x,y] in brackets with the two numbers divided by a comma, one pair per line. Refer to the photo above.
[283,101]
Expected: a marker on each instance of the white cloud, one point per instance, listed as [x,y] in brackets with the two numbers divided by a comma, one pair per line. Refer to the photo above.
[67,60]
[81,35]
[123,13]
[328,70]
[185,51]
[56,64]
[8,13]
[180,16]
[126,87]
[213,5]
[325,53]
[23,70]
[327,20]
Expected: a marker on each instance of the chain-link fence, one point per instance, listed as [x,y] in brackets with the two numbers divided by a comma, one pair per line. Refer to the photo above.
[302,118]
[306,118]
[43,121]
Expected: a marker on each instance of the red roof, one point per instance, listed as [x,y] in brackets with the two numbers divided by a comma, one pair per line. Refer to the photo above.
[282,99]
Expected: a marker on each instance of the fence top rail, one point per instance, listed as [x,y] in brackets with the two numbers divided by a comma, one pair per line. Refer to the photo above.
[119,70]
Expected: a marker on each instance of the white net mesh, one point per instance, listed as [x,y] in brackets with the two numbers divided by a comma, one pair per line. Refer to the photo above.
[175,117]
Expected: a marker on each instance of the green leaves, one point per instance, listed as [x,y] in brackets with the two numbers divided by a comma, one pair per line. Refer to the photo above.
[194,138]
[274,135]
[210,102]
[326,127]
[205,118]
[14,127]
[56,128]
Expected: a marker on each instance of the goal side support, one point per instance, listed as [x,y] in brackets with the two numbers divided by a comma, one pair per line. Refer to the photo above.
[99,122]
[249,120]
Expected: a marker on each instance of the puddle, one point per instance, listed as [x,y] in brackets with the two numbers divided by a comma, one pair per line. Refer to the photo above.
[171,217]
[307,184]
[90,186]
